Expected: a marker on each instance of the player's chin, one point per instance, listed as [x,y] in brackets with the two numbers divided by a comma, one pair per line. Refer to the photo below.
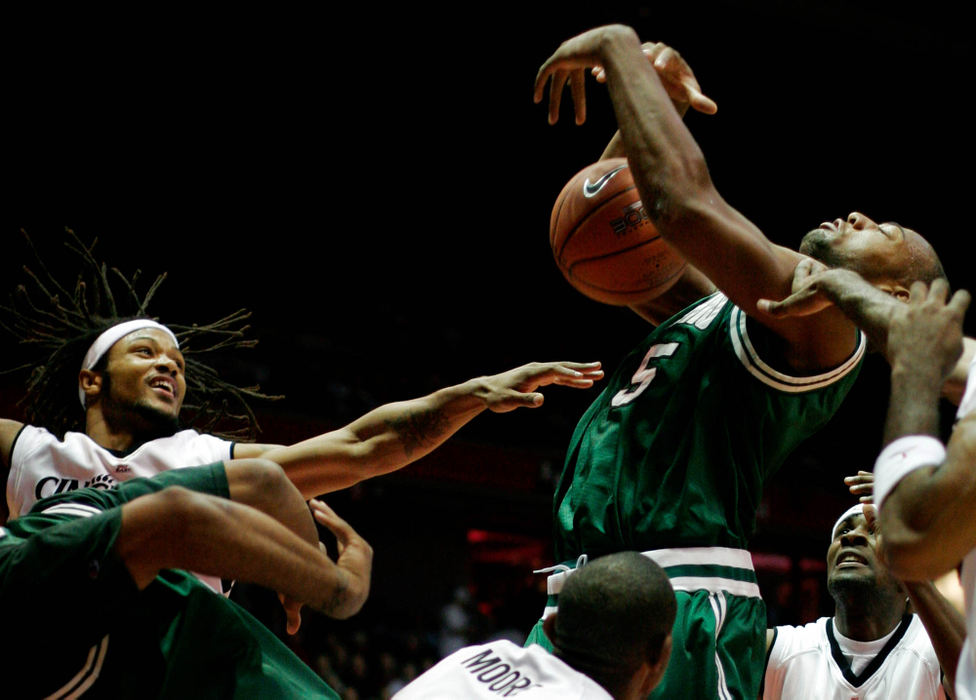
[163,416]
[817,244]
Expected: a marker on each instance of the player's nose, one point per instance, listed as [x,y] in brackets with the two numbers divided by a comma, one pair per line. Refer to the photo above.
[858,220]
[166,363]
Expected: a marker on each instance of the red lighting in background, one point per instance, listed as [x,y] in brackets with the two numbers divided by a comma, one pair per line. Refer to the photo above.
[487,547]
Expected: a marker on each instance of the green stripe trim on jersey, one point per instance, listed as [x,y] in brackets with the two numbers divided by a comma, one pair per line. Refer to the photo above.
[750,359]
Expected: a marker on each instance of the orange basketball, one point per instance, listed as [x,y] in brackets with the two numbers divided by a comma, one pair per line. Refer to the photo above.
[603,241]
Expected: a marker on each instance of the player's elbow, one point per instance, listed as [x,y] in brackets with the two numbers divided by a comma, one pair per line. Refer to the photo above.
[260,483]
[685,200]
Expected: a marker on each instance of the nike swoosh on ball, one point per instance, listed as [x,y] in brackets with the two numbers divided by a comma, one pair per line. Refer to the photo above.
[591,189]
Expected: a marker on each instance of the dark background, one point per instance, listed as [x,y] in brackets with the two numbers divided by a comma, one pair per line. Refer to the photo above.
[375,186]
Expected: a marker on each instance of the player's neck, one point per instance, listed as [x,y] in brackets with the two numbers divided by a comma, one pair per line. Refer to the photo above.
[867,622]
[98,429]
[118,436]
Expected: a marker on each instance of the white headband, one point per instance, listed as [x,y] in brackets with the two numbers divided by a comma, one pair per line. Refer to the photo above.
[853,510]
[111,336]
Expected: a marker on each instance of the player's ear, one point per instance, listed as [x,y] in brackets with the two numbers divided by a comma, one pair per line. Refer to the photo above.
[660,666]
[90,382]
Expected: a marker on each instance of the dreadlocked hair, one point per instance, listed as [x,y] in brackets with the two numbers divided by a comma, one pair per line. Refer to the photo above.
[58,324]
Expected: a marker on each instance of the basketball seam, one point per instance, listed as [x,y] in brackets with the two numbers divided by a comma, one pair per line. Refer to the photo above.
[589,215]
[561,202]
[614,253]
[611,290]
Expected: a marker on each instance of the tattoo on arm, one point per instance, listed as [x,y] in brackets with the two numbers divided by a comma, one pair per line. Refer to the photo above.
[417,429]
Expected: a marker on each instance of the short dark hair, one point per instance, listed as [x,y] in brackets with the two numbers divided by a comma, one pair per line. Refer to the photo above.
[614,614]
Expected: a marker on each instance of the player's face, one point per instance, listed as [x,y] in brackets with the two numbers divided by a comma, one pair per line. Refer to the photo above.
[146,374]
[859,243]
[853,554]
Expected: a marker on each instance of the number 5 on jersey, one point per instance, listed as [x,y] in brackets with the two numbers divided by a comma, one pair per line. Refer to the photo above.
[644,374]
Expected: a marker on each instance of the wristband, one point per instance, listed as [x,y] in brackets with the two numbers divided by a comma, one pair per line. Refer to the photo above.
[904,455]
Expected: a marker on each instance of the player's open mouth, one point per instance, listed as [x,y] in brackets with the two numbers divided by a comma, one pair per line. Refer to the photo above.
[850,559]
[164,386]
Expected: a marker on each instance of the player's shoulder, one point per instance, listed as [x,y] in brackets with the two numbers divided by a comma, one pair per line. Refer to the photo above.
[917,636]
[190,435]
[790,640]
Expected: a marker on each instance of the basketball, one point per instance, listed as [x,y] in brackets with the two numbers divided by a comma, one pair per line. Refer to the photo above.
[603,241]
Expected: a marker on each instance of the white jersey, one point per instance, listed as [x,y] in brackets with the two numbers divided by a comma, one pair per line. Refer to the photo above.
[808,662]
[966,671]
[42,465]
[502,669]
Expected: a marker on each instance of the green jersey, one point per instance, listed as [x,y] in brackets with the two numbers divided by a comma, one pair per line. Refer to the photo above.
[677,448]
[77,626]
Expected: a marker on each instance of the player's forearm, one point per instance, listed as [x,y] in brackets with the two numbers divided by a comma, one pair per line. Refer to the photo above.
[945,625]
[913,405]
[180,529]
[615,147]
[908,513]
[676,189]
[667,163]
[929,505]
[384,440]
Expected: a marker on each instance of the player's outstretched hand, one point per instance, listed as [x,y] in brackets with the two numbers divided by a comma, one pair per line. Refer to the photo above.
[676,76]
[517,387]
[354,564]
[569,64]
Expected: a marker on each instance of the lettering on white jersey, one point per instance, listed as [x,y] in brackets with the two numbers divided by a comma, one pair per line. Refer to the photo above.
[50,485]
[498,676]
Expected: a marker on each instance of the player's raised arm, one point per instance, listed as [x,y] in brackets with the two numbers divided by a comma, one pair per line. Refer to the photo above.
[396,434]
[676,77]
[678,194]
[926,492]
